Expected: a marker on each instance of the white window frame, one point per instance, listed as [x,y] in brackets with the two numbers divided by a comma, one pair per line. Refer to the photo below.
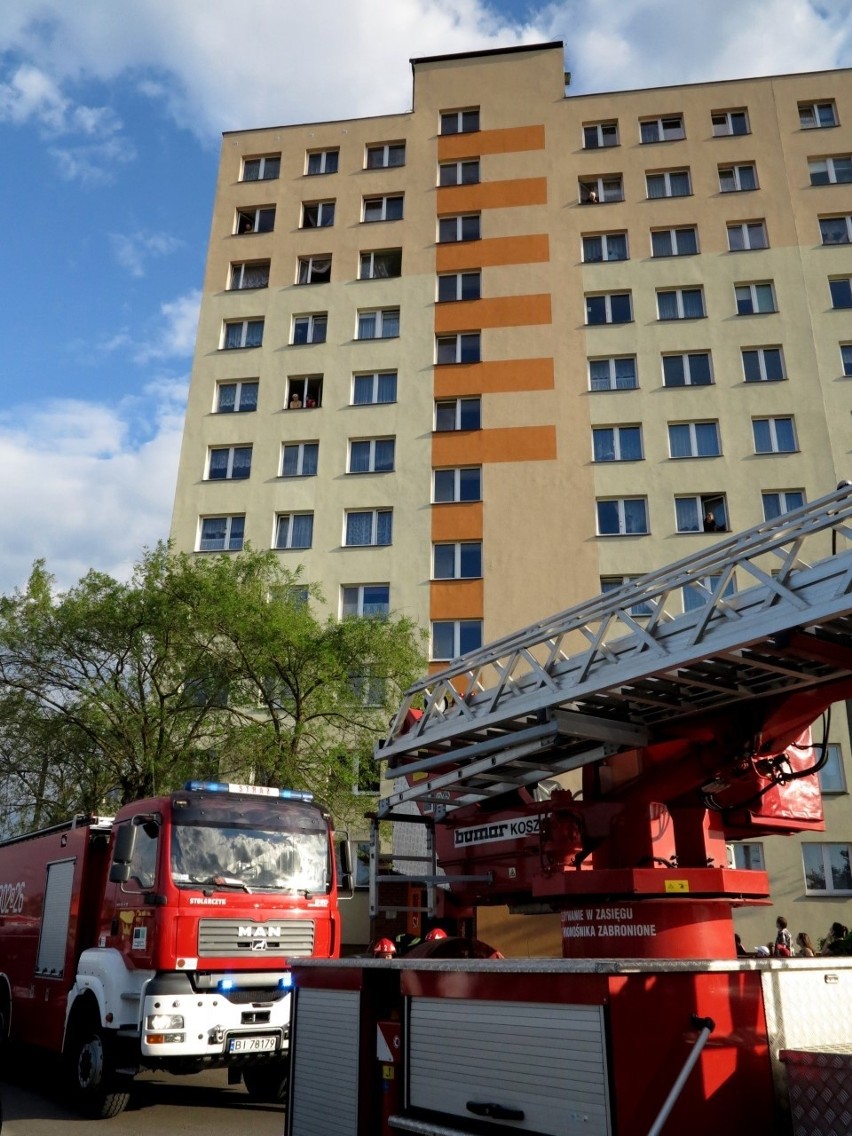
[678,293]
[744,229]
[382,315]
[323,155]
[322,208]
[686,357]
[736,174]
[285,523]
[459,115]
[460,220]
[459,278]
[229,469]
[230,542]
[844,293]
[846,359]
[608,297]
[457,404]
[384,199]
[247,220]
[238,384]
[703,503]
[640,610]
[245,325]
[824,846]
[692,433]
[846,220]
[722,122]
[457,547]
[359,601]
[371,444]
[673,236]
[374,514]
[384,151]
[611,361]
[456,497]
[753,293]
[300,448]
[314,320]
[784,504]
[237,275]
[459,341]
[456,625]
[607,188]
[620,502]
[830,169]
[760,352]
[261,159]
[667,175]
[375,376]
[617,445]
[307,266]
[604,239]
[666,131]
[746,856]
[832,776]
[814,109]
[464,171]
[603,131]
[772,424]
[370,259]
[307,387]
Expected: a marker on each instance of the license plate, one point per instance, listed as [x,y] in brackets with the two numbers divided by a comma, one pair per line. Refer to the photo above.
[253,1044]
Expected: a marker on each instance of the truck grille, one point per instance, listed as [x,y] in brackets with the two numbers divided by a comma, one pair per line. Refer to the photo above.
[273,938]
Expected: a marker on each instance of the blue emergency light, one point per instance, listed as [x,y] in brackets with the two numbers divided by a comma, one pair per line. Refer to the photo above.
[253,790]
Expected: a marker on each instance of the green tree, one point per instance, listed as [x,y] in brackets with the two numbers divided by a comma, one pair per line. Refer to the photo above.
[195,667]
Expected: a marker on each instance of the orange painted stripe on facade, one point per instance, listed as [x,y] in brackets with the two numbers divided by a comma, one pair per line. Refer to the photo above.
[492,195]
[531,249]
[461,521]
[509,140]
[498,377]
[509,444]
[501,311]
[456,599]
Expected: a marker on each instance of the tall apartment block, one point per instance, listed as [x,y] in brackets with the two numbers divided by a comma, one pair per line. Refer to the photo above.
[477,361]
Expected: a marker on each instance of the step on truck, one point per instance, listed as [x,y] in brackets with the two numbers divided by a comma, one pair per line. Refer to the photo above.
[161,938]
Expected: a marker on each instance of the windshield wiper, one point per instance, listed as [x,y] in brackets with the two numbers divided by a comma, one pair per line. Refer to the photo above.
[221,882]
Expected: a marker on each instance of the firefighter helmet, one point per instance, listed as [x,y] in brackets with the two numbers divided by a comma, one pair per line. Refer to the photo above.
[436,933]
[383,948]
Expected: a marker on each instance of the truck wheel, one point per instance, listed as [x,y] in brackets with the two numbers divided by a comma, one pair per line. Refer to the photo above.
[99,1092]
[267,1083]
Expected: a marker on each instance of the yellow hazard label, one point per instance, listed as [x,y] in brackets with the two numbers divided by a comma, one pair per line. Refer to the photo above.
[388,1073]
[677,885]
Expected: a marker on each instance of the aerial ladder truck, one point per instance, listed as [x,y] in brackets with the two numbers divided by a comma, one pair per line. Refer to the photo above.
[665,719]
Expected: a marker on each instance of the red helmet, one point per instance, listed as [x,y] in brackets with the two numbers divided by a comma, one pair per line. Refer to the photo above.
[383,948]
[436,933]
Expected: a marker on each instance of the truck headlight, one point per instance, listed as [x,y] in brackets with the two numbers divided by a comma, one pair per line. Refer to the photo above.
[161,1023]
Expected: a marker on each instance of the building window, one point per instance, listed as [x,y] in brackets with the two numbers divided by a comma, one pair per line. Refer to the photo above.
[461,228]
[458,414]
[612,307]
[250,274]
[814,116]
[373,455]
[294,530]
[311,328]
[385,156]
[774,436]
[314,270]
[383,208]
[601,190]
[827,870]
[304,392]
[763,364]
[702,513]
[841,292]
[459,286]
[242,333]
[668,129]
[680,303]
[668,183]
[221,534]
[454,637]
[322,161]
[317,214]
[694,440]
[617,443]
[460,561]
[614,583]
[688,370]
[229,463]
[755,299]
[460,121]
[465,172]
[257,219]
[266,168]
[835,230]
[366,600]
[615,373]
[457,485]
[622,516]
[729,122]
[368,527]
[236,398]
[832,778]
[846,358]
[597,135]
[465,347]
[737,179]
[374,388]
[381,265]
[748,857]
[781,501]
[699,593]
[605,246]
[381,324]
[674,242]
[828,171]
[747,235]
[299,459]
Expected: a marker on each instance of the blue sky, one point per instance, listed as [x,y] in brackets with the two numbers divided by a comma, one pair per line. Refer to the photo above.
[111,113]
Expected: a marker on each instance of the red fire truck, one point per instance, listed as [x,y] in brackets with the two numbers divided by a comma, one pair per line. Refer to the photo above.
[162,938]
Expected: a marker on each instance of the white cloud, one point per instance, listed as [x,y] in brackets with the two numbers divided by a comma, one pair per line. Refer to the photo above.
[172,337]
[134,250]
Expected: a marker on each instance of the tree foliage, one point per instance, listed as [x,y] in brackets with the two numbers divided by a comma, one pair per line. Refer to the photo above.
[195,667]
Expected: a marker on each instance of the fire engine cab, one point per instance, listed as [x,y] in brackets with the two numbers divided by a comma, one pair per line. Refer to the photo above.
[162,938]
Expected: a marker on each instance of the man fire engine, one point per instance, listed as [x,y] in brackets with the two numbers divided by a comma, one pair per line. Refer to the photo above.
[161,938]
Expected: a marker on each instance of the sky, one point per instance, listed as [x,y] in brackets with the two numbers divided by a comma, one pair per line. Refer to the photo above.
[111,115]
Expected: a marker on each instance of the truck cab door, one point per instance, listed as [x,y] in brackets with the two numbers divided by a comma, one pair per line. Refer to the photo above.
[134,874]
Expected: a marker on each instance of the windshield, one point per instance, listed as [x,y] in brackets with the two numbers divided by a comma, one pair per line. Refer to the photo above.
[251,859]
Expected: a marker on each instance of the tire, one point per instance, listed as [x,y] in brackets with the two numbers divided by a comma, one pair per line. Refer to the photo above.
[267,1084]
[98,1091]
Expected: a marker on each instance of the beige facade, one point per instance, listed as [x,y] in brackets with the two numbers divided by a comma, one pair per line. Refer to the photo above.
[601,373]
